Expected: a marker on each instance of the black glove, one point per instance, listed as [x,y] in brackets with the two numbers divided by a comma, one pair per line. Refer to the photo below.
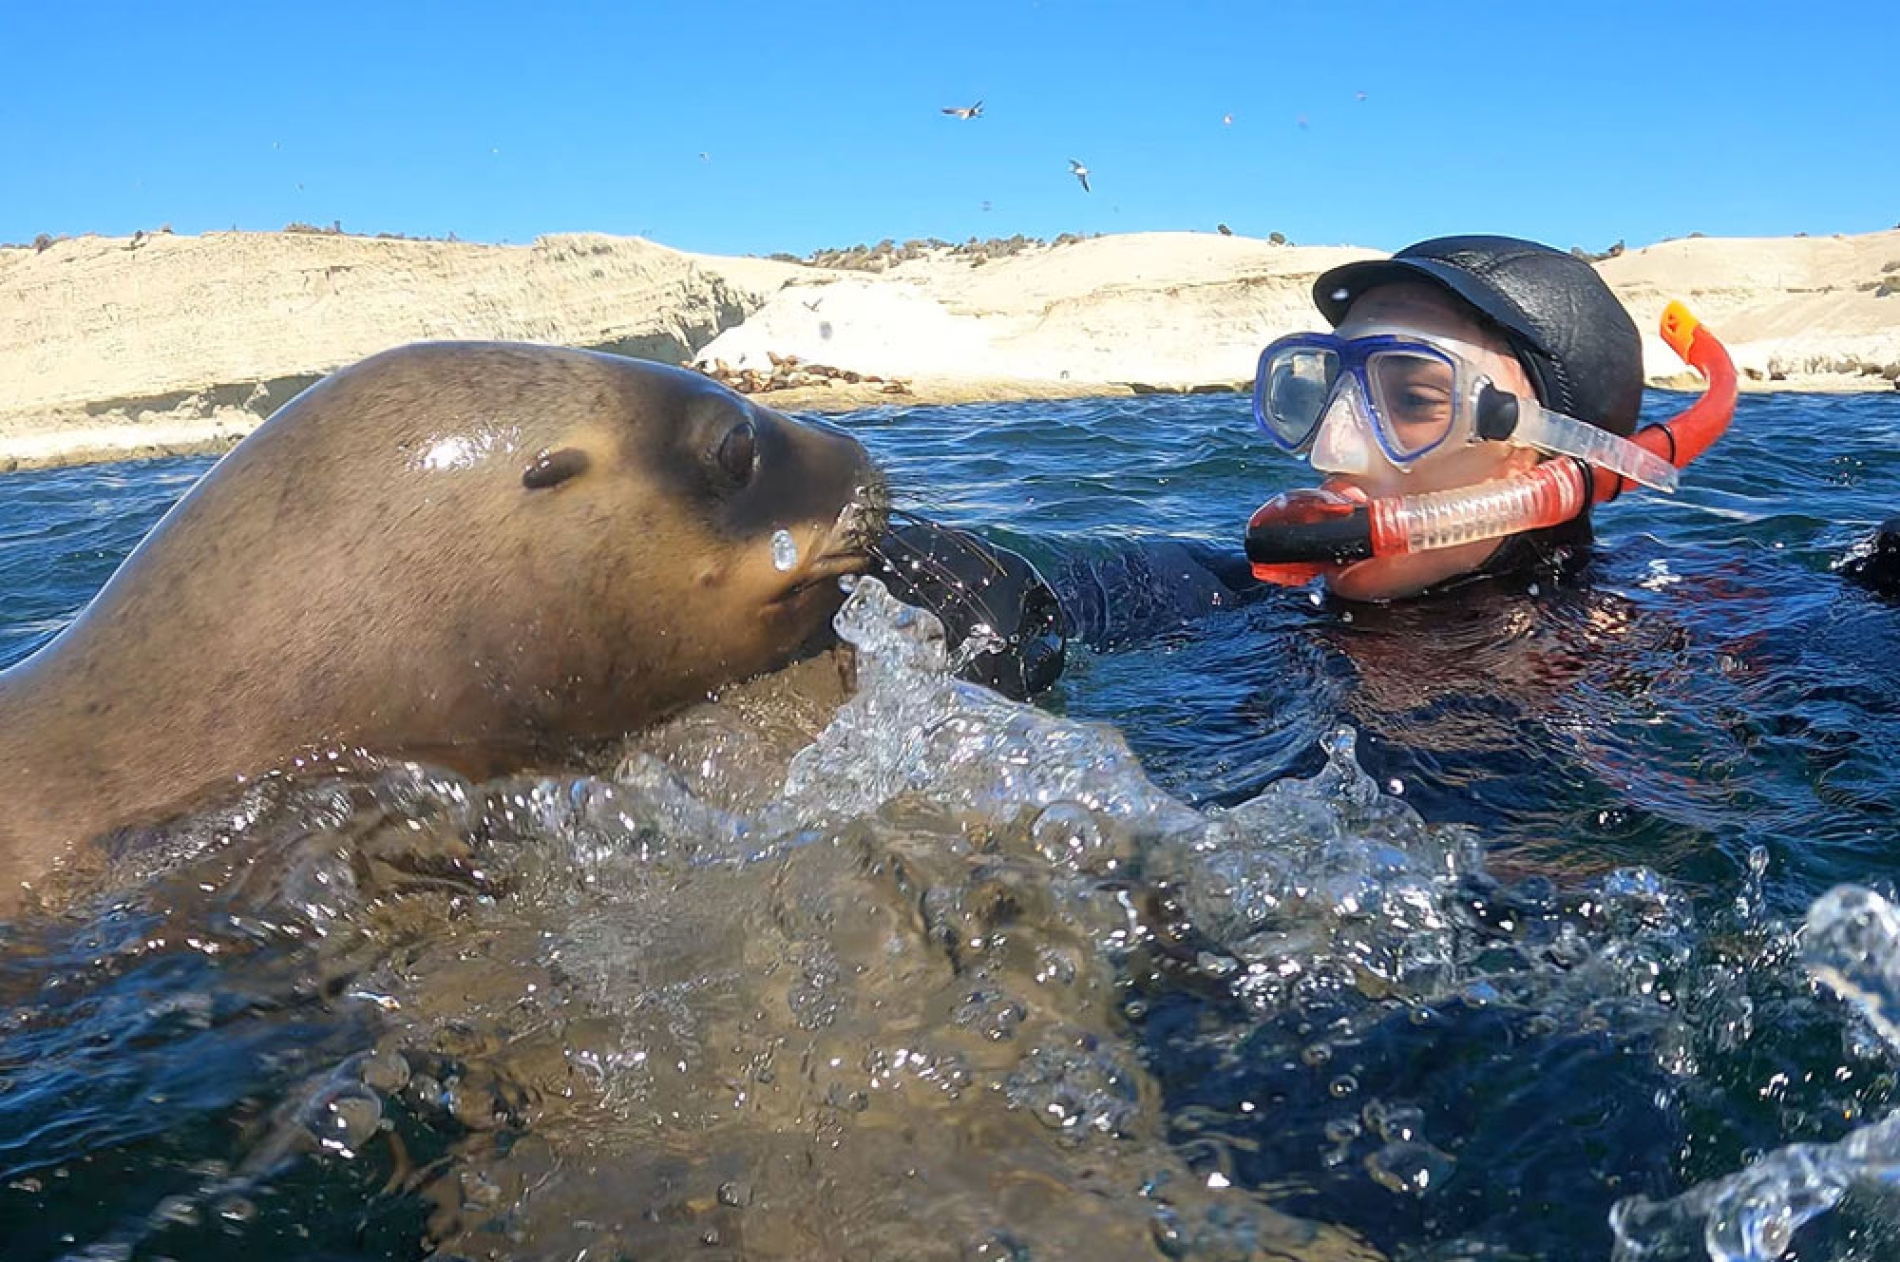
[967,582]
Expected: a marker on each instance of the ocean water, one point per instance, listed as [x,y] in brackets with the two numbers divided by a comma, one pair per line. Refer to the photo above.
[1505,926]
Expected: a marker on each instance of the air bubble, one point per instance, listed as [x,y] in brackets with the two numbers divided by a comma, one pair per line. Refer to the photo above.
[1409,1168]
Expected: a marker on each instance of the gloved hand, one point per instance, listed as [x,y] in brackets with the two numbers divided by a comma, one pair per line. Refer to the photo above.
[969,583]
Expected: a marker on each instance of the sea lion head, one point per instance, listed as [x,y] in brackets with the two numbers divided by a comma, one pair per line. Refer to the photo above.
[747,516]
[699,537]
[477,547]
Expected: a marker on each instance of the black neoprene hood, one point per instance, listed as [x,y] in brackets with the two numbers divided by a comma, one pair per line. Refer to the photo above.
[1577,344]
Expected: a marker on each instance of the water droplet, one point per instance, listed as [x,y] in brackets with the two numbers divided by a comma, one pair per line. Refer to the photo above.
[784,550]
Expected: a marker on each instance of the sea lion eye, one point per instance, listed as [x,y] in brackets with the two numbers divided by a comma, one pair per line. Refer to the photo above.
[551,468]
[738,452]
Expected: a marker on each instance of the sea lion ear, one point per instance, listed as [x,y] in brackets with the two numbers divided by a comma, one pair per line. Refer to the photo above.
[551,468]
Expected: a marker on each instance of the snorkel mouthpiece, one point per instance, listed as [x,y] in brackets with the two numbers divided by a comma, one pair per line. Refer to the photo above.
[1296,536]
[1299,535]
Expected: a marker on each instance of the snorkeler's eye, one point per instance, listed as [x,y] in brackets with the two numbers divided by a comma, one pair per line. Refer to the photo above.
[738,453]
[1419,404]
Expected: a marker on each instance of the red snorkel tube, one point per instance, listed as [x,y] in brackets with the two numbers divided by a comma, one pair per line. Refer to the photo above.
[1299,535]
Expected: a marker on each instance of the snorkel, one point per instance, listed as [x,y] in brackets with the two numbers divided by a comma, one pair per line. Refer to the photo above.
[1298,535]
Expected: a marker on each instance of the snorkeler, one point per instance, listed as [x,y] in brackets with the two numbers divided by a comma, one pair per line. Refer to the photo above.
[1477,395]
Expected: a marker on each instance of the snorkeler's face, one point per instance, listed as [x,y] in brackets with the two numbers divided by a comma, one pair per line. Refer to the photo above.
[1350,454]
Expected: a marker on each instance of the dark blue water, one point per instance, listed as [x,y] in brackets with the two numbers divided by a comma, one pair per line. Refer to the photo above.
[1704,687]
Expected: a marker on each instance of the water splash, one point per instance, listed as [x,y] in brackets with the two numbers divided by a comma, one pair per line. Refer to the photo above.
[784,550]
[914,730]
[936,904]
[1852,946]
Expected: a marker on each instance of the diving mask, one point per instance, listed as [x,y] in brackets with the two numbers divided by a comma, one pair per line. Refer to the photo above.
[1417,395]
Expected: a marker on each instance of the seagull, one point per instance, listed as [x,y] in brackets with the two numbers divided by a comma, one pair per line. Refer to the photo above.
[965,111]
[1227,120]
[1080,172]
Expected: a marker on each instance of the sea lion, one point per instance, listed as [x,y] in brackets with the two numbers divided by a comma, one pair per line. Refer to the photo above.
[478,555]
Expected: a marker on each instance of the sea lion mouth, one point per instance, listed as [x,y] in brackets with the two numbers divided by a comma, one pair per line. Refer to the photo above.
[846,546]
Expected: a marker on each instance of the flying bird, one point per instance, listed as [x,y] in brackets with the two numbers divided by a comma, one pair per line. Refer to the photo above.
[1080,172]
[1359,96]
[965,111]
[1227,120]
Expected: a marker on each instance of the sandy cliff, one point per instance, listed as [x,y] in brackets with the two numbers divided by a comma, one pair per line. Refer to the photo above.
[1802,312]
[179,342]
[111,346]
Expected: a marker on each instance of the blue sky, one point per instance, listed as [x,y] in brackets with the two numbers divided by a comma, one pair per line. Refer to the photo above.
[755,127]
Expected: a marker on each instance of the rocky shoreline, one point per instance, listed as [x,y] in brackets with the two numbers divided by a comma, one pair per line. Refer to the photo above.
[158,344]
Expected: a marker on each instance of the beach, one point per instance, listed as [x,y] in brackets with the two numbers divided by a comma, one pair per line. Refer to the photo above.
[165,344]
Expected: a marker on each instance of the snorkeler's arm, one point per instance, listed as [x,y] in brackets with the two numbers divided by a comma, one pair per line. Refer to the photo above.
[1101,592]
[1114,591]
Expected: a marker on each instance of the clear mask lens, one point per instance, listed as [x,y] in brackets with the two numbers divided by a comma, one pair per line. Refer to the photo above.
[1293,394]
[1414,400]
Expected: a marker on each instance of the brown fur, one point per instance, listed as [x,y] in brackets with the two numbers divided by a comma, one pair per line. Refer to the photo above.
[475,554]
